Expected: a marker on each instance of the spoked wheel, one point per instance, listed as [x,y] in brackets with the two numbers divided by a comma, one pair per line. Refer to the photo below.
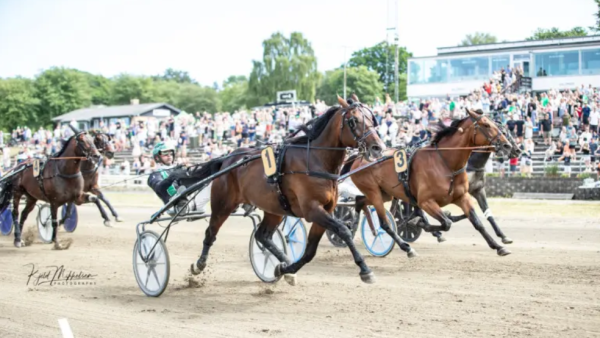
[403,214]
[6,221]
[346,215]
[44,221]
[71,220]
[263,262]
[376,240]
[151,267]
[295,236]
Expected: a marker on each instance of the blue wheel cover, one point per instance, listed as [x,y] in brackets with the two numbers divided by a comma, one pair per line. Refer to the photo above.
[6,221]
[71,221]
[365,227]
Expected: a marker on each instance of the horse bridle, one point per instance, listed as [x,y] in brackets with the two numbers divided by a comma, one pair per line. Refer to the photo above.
[494,141]
[352,122]
[80,145]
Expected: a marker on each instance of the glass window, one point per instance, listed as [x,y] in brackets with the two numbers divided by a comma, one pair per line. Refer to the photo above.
[590,61]
[557,63]
[476,68]
[428,71]
[499,62]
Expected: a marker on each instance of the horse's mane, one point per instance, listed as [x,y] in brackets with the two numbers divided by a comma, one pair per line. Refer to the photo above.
[64,147]
[447,131]
[348,165]
[318,125]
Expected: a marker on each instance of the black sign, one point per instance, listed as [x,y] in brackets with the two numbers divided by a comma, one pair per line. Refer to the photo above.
[526,82]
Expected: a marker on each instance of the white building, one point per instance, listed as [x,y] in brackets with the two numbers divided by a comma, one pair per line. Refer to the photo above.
[560,64]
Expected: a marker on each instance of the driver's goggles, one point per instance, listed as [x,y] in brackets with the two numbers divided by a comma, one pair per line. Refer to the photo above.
[166,152]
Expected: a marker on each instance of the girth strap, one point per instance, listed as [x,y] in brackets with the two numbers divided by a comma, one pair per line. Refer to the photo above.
[453,174]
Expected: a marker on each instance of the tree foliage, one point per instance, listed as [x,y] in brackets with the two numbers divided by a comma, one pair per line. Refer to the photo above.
[234,95]
[287,64]
[555,33]
[173,75]
[19,104]
[596,28]
[478,38]
[61,90]
[360,80]
[380,58]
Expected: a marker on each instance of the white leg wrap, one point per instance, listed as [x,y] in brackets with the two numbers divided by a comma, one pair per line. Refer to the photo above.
[488,213]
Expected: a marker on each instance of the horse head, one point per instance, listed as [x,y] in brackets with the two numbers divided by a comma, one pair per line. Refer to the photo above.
[361,131]
[486,132]
[85,145]
[103,143]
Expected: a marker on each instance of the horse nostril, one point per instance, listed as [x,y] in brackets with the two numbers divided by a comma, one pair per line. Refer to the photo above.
[376,148]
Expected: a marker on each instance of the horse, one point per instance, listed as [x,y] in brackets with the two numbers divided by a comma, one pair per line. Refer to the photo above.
[59,181]
[89,170]
[476,174]
[305,185]
[434,177]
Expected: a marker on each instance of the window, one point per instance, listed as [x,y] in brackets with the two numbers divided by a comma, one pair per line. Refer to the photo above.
[499,62]
[590,61]
[428,71]
[557,63]
[476,68]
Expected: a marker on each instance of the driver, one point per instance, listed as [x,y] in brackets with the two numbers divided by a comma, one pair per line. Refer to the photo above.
[164,188]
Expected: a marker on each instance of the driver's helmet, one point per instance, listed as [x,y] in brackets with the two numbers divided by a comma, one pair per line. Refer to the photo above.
[161,148]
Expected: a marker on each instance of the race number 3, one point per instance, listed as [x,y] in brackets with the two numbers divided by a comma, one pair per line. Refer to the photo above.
[400,161]
[36,167]
[268,159]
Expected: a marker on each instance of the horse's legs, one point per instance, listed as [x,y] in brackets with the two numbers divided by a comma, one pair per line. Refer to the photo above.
[220,213]
[85,198]
[100,195]
[377,202]
[54,213]
[465,204]
[264,235]
[487,213]
[15,214]
[29,206]
[422,221]
[432,208]
[320,217]
[314,237]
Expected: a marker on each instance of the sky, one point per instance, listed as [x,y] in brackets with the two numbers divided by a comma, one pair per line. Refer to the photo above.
[215,39]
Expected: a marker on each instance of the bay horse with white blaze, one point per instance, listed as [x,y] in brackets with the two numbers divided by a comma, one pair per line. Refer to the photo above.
[436,177]
[306,185]
[59,182]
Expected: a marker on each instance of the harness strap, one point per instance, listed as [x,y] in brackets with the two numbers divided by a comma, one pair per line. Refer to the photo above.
[453,174]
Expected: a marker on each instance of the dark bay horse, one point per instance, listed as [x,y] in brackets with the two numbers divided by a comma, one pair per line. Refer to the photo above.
[307,188]
[59,182]
[89,170]
[437,177]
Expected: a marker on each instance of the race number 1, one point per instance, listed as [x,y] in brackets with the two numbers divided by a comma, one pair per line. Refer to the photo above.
[400,161]
[36,167]
[268,159]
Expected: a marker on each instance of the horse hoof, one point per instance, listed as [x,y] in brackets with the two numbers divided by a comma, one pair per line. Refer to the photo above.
[506,240]
[368,278]
[93,199]
[412,253]
[503,252]
[277,272]
[19,243]
[197,268]
[107,224]
[441,239]
[290,279]
[118,219]
[447,213]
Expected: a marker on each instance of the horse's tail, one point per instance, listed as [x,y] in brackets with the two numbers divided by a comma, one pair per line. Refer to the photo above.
[198,173]
[346,168]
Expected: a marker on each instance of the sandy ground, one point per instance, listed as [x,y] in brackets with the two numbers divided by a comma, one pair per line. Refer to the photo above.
[548,287]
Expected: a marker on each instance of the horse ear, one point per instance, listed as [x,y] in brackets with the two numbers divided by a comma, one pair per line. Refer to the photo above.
[342,102]
[355,98]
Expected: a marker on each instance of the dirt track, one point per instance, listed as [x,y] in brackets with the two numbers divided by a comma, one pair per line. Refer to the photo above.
[548,287]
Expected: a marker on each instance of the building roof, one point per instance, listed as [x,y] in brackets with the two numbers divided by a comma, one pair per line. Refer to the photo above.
[86,114]
[516,45]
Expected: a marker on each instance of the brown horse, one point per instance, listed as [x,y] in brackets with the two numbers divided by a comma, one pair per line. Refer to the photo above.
[307,187]
[89,170]
[436,177]
[59,182]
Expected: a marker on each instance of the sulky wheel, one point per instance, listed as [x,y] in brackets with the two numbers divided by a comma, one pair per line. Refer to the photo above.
[44,221]
[263,262]
[6,221]
[346,215]
[378,242]
[70,221]
[294,233]
[404,212]
[151,267]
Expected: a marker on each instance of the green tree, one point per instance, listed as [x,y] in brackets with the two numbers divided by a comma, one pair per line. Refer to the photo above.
[360,80]
[596,28]
[61,90]
[287,64]
[178,76]
[19,105]
[101,89]
[555,33]
[380,58]
[127,87]
[194,98]
[234,94]
[478,38]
